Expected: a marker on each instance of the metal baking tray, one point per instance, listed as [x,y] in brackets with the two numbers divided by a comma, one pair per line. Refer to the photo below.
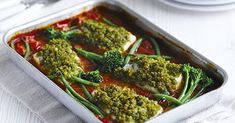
[180,50]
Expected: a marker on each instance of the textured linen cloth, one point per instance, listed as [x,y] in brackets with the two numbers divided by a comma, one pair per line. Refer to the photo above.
[217,113]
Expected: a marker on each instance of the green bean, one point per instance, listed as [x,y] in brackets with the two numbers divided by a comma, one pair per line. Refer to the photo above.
[133,50]
[155,45]
[108,22]
[72,91]
[51,77]
[80,99]
[169,98]
[93,108]
[86,92]
[151,56]
[83,81]
[27,47]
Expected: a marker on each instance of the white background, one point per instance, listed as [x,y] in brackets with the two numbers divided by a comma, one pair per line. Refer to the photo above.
[210,33]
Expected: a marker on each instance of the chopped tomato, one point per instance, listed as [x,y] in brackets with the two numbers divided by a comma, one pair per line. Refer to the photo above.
[104,120]
[63,25]
[34,44]
[147,44]
[144,93]
[161,102]
[29,38]
[92,15]
[79,22]
[20,48]
[142,50]
[146,48]
[17,40]
[117,21]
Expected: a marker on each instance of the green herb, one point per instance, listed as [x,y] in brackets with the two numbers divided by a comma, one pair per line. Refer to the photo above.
[125,105]
[133,50]
[103,36]
[108,22]
[157,75]
[93,76]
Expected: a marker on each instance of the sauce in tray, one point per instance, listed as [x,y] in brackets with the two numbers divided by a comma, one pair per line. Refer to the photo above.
[27,44]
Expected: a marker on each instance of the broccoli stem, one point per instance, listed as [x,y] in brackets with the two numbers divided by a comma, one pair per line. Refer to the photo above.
[83,81]
[80,99]
[207,83]
[90,55]
[86,92]
[133,50]
[156,46]
[194,84]
[186,69]
[169,98]
[198,94]
[150,56]
[108,22]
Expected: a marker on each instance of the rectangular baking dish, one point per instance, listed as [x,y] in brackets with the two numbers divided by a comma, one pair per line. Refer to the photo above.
[180,50]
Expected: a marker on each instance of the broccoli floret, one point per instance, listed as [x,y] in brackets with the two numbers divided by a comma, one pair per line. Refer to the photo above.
[57,34]
[194,77]
[93,76]
[110,60]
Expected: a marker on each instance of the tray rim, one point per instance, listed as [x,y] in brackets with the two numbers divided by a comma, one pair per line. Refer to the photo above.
[19,28]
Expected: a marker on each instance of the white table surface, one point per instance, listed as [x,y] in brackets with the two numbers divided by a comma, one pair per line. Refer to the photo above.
[212,34]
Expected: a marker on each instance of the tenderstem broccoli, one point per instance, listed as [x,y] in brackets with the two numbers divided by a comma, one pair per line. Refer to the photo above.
[109,60]
[93,76]
[57,34]
[194,78]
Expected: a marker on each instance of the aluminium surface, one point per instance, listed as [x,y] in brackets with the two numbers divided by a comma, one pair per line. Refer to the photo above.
[181,49]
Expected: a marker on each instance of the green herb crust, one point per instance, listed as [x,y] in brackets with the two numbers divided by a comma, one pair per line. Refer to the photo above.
[124,105]
[103,36]
[58,57]
[153,72]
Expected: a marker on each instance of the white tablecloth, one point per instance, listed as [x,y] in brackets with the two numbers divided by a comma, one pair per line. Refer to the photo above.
[212,34]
